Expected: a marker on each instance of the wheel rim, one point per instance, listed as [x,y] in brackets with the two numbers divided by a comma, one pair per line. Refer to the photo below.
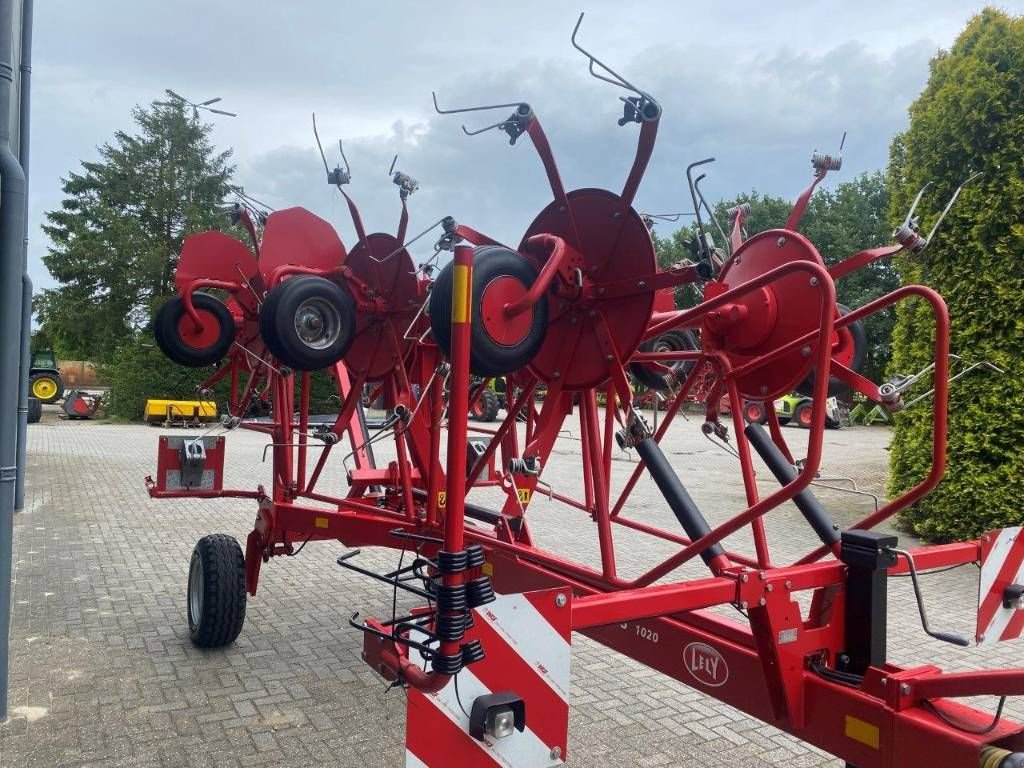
[805,416]
[44,388]
[753,413]
[317,323]
[199,338]
[504,330]
[195,591]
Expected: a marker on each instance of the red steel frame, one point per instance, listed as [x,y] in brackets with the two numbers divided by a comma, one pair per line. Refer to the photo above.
[882,722]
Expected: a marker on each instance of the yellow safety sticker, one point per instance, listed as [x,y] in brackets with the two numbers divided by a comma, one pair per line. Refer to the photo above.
[524,495]
[865,733]
[488,569]
[460,294]
[321,522]
[442,499]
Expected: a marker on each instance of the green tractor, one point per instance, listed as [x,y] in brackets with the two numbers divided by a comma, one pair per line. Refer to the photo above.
[796,407]
[45,383]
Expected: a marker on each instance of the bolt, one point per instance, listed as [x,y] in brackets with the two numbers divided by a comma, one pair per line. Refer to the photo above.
[555,753]
[561,600]
[556,375]
[789,585]
[885,681]
[780,242]
[764,389]
[905,689]
[981,638]
[770,587]
[609,358]
[561,209]
[617,215]
[762,575]
[763,602]
[806,351]
[600,291]
[814,281]
[744,578]
[744,605]
[642,284]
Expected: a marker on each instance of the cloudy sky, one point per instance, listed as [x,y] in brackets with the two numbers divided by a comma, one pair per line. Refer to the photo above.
[757,85]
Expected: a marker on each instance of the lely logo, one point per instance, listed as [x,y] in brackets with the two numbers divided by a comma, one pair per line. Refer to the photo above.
[706,664]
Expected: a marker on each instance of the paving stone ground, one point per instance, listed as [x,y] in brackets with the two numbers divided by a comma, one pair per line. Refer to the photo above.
[103,674]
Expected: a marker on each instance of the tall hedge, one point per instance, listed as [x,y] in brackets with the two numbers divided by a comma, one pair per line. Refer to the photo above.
[970,117]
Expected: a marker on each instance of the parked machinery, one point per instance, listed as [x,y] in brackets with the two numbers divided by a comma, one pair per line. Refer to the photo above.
[485,657]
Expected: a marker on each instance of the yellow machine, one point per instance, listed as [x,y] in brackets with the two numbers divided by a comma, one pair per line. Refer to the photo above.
[180,412]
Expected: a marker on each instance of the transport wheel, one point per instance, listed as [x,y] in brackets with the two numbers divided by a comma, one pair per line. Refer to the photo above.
[308,323]
[216,591]
[671,341]
[498,344]
[803,415]
[755,413]
[486,406]
[178,339]
[46,387]
[35,410]
[851,350]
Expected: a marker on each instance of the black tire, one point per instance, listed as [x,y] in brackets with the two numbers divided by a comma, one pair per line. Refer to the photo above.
[54,386]
[216,591]
[488,357]
[802,415]
[860,353]
[168,337]
[755,412]
[783,420]
[486,406]
[671,341]
[331,315]
[831,423]
[35,410]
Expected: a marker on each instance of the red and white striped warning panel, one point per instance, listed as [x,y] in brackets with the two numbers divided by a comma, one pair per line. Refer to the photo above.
[526,642]
[1001,590]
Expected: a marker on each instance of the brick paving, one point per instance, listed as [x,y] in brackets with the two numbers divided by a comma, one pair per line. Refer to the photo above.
[103,673]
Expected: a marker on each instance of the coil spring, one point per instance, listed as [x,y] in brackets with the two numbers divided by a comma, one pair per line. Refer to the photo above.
[479,591]
[474,556]
[452,562]
[823,161]
[525,466]
[447,665]
[472,652]
[451,598]
[909,238]
[451,626]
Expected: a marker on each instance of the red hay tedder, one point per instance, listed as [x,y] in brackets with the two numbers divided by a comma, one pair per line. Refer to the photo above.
[572,310]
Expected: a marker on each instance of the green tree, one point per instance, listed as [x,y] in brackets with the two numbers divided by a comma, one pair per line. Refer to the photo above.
[115,240]
[970,117]
[840,222]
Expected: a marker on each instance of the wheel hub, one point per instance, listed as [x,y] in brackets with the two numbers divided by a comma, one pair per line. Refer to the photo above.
[317,323]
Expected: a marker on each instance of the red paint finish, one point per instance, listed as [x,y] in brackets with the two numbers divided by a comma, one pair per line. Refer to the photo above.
[497,295]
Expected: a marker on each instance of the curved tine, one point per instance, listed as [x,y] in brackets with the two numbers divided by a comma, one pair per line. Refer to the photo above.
[711,214]
[341,149]
[917,200]
[320,146]
[392,168]
[950,203]
[440,111]
[498,124]
[693,193]
[619,79]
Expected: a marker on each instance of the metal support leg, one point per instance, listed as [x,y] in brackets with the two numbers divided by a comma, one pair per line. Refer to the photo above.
[869,556]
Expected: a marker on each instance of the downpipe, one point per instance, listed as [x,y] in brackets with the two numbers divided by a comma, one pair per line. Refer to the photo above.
[12,235]
[24,137]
